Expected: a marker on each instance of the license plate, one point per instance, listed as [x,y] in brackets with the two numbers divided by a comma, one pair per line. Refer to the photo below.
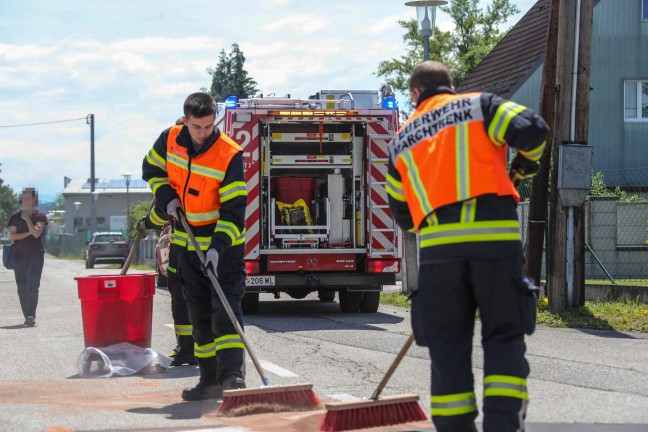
[260,280]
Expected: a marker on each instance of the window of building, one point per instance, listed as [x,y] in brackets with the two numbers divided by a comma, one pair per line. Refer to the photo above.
[101,222]
[644,10]
[636,101]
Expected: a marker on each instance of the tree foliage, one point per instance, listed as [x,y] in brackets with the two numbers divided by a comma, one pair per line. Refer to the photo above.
[229,77]
[475,34]
[8,202]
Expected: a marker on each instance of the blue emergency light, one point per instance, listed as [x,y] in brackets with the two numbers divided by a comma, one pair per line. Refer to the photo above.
[389,103]
[231,102]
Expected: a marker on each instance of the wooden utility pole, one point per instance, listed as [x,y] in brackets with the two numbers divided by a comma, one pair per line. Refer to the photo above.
[540,184]
[563,133]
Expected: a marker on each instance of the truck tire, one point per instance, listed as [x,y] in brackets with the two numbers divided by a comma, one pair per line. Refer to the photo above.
[250,303]
[370,302]
[350,301]
[326,296]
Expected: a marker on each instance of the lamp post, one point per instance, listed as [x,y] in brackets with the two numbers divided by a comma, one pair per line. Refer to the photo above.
[127,178]
[93,206]
[426,16]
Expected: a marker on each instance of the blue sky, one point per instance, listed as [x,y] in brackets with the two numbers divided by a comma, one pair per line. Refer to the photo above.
[131,63]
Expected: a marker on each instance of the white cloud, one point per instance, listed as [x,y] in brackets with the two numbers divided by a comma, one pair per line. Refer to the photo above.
[302,24]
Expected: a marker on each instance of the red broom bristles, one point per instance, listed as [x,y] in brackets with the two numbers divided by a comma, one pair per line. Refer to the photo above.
[391,410]
[294,397]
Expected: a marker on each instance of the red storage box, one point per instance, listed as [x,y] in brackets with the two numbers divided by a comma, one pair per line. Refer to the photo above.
[290,189]
[117,309]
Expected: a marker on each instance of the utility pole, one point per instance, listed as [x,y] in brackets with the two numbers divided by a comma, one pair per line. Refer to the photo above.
[566,279]
[93,204]
[540,183]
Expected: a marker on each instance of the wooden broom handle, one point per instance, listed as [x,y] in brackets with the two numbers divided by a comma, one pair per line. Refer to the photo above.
[394,365]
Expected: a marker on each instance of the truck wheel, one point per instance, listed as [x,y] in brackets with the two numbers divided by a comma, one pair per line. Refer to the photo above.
[250,303]
[350,301]
[89,263]
[370,301]
[326,296]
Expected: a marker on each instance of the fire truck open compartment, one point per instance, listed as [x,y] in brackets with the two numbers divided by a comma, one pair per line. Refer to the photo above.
[318,219]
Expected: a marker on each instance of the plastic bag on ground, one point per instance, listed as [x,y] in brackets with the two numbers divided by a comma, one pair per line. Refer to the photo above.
[121,359]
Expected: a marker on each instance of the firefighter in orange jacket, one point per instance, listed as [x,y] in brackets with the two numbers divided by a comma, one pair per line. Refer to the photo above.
[196,169]
[448,182]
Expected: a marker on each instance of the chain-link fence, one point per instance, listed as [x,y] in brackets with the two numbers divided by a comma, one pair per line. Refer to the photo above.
[616,226]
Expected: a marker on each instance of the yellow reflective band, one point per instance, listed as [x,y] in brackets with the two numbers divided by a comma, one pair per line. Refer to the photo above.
[171,269]
[501,120]
[156,182]
[468,210]
[454,404]
[534,154]
[230,229]
[182,239]
[197,217]
[417,184]
[232,190]
[394,188]
[205,351]
[183,329]
[462,162]
[452,233]
[156,219]
[507,386]
[229,342]
[178,161]
[432,219]
[153,158]
[207,171]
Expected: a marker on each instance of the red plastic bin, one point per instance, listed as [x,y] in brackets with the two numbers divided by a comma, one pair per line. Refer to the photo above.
[117,309]
[290,189]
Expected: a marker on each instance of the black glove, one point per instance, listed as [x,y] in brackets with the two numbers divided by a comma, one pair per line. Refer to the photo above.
[522,168]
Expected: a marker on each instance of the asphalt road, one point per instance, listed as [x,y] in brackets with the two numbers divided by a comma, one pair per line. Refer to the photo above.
[580,380]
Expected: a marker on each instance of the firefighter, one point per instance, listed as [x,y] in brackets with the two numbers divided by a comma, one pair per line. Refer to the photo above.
[196,169]
[447,181]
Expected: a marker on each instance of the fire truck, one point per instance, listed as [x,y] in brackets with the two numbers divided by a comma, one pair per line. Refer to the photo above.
[317,218]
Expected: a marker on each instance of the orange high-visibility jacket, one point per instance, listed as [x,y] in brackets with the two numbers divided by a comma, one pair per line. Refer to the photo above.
[197,180]
[445,154]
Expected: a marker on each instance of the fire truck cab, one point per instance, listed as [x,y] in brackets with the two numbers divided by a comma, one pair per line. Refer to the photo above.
[318,218]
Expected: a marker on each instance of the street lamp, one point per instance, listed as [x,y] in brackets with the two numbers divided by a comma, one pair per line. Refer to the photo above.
[127,178]
[426,15]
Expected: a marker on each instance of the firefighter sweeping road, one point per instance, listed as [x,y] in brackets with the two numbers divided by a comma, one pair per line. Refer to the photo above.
[580,380]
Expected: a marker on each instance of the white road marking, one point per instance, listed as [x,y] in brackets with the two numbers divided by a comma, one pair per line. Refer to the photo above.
[171,326]
[277,370]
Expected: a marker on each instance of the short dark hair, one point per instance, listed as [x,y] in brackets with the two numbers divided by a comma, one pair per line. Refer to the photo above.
[199,105]
[33,193]
[430,74]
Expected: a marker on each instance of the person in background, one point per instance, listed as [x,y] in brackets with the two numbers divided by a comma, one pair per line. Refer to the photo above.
[448,181]
[197,170]
[26,228]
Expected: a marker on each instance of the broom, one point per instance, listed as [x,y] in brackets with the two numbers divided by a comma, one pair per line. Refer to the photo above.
[269,398]
[374,412]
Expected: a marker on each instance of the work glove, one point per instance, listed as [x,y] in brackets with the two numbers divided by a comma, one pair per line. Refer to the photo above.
[522,168]
[172,208]
[211,260]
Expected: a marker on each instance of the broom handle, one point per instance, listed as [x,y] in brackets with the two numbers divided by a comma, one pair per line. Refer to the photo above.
[223,299]
[135,248]
[393,367]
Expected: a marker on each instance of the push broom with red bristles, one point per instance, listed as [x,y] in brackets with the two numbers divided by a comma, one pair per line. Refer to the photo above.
[375,411]
[269,398]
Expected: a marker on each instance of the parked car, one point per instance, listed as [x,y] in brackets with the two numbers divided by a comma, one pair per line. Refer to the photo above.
[106,248]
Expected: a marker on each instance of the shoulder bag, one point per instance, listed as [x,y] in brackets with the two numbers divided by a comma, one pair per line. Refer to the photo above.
[6,256]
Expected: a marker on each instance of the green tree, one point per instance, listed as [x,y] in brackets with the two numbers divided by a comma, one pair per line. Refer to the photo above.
[475,34]
[8,202]
[229,77]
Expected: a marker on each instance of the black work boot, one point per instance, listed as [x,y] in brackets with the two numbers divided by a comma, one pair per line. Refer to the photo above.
[208,386]
[183,354]
[233,382]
